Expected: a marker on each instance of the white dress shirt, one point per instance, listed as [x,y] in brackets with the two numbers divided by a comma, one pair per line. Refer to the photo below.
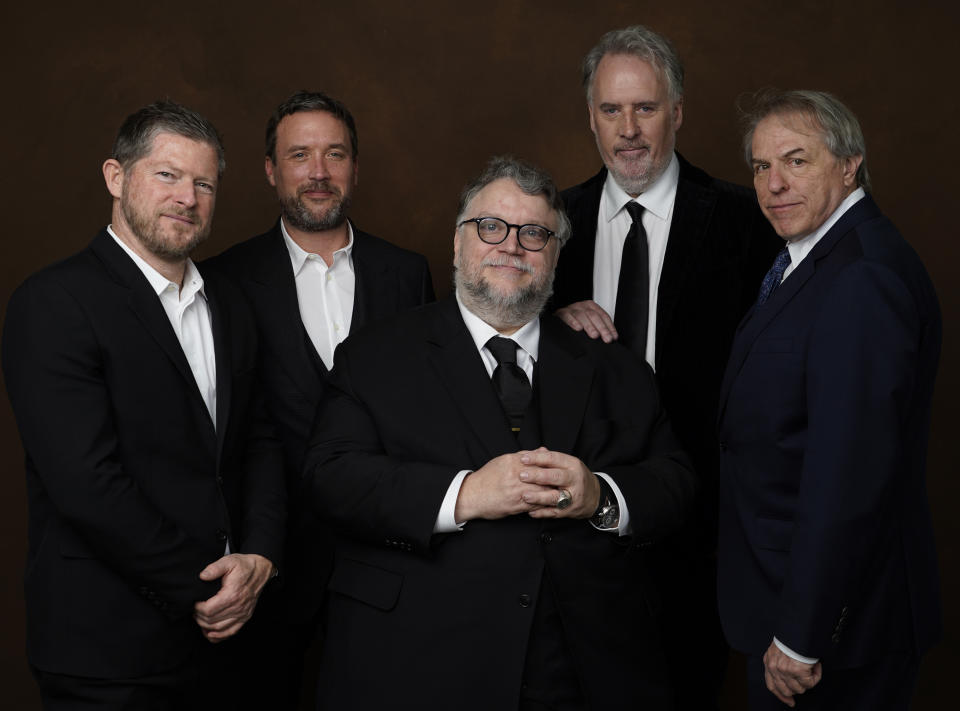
[189,315]
[527,339]
[613,223]
[325,294]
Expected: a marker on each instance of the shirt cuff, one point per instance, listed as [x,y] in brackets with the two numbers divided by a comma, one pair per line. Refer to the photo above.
[793,655]
[623,529]
[446,520]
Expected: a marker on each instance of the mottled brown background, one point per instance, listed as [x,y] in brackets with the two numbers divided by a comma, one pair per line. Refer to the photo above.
[436,88]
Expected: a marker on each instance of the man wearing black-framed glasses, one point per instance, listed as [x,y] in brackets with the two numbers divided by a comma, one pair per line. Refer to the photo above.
[492,482]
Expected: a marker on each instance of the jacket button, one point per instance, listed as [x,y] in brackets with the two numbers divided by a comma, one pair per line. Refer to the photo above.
[723,446]
[221,535]
[545,538]
[219,480]
[524,600]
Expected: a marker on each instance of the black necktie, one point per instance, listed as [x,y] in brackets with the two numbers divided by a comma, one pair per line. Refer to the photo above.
[513,387]
[633,289]
[773,277]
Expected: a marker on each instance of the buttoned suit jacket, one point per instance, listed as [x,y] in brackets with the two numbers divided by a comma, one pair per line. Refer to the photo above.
[718,249]
[417,619]
[389,280]
[825,533]
[132,491]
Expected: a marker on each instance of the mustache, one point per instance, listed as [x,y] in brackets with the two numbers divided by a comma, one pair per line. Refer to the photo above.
[506,261]
[182,212]
[315,185]
[630,146]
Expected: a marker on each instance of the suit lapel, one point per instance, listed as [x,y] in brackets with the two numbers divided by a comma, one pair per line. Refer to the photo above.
[580,250]
[276,296]
[370,279]
[145,304]
[460,368]
[758,318]
[693,208]
[565,377]
[220,321]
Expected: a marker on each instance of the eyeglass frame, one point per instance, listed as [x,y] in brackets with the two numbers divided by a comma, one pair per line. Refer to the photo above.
[478,220]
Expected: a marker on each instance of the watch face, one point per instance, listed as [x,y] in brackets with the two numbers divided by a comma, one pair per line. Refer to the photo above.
[609,517]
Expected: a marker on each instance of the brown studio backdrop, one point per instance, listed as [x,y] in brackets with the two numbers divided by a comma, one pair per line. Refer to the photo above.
[436,88]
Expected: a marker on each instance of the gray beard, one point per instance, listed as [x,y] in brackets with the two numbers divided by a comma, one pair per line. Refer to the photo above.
[300,217]
[502,310]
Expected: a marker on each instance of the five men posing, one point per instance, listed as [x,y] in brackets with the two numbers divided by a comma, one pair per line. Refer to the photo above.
[516,523]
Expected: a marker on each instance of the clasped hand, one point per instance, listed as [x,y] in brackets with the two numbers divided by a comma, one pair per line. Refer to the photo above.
[528,482]
[242,577]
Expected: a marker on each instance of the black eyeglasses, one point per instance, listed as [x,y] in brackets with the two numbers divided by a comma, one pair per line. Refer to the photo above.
[493,230]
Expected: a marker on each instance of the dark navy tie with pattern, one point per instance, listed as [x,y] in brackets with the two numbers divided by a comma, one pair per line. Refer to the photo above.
[632,311]
[773,277]
[512,385]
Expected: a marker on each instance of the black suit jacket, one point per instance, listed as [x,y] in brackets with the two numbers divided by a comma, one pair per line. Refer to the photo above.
[417,619]
[825,532]
[718,250]
[132,492]
[388,280]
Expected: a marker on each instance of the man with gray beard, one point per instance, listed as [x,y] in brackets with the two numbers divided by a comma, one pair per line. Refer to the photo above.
[491,475]
[312,279]
[666,259]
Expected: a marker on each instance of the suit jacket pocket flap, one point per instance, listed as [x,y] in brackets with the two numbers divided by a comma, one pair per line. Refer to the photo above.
[367,583]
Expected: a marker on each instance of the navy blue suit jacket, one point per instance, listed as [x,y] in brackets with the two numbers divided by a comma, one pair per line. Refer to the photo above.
[825,533]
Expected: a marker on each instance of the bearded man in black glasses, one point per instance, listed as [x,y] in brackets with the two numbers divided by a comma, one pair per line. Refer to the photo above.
[494,477]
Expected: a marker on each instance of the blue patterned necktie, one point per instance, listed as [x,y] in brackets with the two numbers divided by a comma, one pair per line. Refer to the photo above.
[773,277]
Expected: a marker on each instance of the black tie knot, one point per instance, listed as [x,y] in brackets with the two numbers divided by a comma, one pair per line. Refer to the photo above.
[503,349]
[636,210]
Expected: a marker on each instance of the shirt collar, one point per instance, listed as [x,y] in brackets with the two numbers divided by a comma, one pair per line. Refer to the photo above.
[298,256]
[658,198]
[800,248]
[192,281]
[527,337]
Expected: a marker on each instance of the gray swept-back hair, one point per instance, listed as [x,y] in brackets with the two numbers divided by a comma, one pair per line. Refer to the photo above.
[310,101]
[135,138]
[643,43]
[529,178]
[837,124]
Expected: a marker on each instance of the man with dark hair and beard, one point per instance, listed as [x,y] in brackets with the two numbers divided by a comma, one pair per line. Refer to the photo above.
[312,279]
[492,476]
[154,481]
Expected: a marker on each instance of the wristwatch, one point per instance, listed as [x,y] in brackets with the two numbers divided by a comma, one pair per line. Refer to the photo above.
[607,515]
